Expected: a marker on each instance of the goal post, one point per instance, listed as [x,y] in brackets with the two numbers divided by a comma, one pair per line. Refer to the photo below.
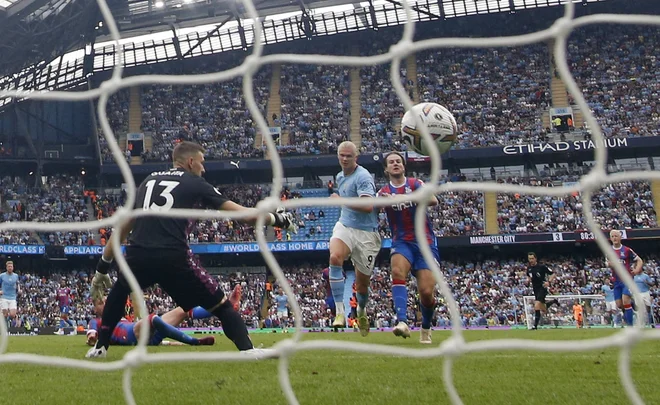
[594,311]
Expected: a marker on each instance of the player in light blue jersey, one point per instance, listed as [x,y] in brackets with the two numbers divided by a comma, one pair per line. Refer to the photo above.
[644,283]
[355,235]
[610,302]
[282,312]
[9,290]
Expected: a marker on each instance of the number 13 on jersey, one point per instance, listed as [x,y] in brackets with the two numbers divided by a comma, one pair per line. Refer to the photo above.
[168,186]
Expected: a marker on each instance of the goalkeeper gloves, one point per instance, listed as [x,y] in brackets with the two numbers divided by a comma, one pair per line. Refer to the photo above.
[284,220]
[101,280]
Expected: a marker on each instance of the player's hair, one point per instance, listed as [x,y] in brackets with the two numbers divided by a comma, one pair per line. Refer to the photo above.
[394,152]
[615,232]
[532,254]
[403,159]
[8,262]
[348,144]
[185,149]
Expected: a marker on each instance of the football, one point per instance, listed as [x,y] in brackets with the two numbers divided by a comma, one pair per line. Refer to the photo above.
[440,123]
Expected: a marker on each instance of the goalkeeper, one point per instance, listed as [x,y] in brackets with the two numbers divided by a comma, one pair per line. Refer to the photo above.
[158,250]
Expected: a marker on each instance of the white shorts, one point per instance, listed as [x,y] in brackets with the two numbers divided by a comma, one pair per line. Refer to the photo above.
[611,306]
[282,314]
[646,297]
[364,246]
[6,304]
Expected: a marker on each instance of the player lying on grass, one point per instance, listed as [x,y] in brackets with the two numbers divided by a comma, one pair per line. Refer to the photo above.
[405,254]
[127,333]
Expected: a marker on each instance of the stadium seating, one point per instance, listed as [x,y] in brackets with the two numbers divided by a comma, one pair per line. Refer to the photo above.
[315,107]
[617,206]
[488,292]
[498,97]
[619,76]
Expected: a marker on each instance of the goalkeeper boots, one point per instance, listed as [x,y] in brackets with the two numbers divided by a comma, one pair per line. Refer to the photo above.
[363,321]
[401,329]
[425,336]
[261,353]
[97,353]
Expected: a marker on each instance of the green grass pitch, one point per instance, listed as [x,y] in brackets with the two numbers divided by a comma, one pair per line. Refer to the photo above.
[330,377]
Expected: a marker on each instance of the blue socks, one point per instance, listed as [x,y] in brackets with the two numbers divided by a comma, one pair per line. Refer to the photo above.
[337,286]
[172,332]
[427,316]
[628,314]
[362,300]
[199,313]
[400,298]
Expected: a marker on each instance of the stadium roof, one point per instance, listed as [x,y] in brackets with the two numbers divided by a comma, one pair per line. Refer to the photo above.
[69,42]
[6,3]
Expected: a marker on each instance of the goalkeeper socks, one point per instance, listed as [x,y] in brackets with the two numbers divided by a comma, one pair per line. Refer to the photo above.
[650,315]
[400,298]
[199,313]
[537,318]
[337,286]
[427,315]
[233,326]
[112,313]
[171,332]
[628,314]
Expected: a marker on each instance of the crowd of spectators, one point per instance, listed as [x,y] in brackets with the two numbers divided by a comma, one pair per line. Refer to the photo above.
[619,74]
[488,292]
[315,108]
[11,210]
[622,206]
[498,96]
[616,206]
[60,199]
[214,115]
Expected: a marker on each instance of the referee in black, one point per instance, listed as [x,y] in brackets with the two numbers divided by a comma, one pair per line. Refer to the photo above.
[158,251]
[541,277]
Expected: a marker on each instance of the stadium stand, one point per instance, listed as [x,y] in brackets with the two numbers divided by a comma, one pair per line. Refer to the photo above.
[497,96]
[489,292]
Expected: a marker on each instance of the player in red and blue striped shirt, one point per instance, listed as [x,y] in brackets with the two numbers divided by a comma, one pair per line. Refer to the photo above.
[628,257]
[405,254]
[127,333]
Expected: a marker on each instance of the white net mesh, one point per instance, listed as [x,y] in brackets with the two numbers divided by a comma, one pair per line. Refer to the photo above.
[450,348]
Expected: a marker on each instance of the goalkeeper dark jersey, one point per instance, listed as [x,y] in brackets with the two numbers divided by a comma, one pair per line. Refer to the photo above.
[165,190]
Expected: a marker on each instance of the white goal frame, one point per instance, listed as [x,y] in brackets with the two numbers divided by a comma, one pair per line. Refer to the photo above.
[449,349]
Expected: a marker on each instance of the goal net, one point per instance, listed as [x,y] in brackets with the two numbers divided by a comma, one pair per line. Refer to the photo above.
[450,349]
[563,314]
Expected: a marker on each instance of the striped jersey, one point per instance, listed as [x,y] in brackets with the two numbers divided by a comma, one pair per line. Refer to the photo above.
[627,256]
[401,216]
